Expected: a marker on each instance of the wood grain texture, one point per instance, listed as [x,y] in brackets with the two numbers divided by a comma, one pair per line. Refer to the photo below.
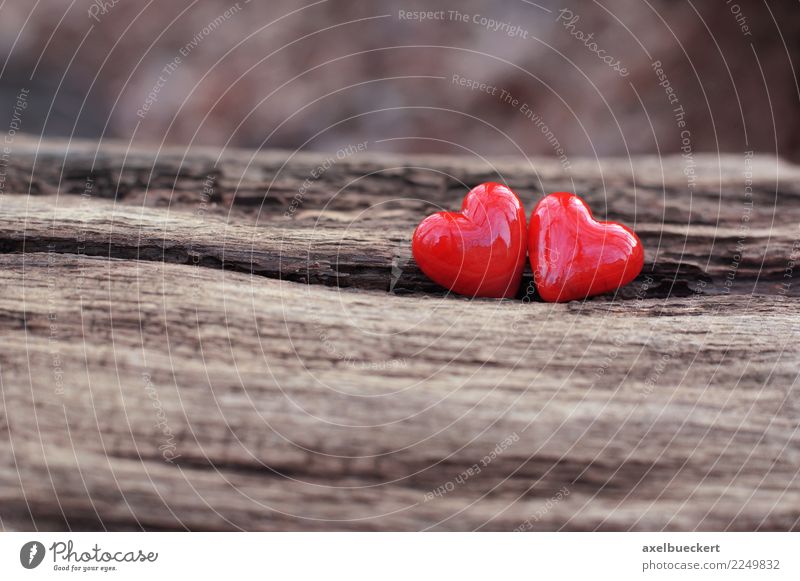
[179,361]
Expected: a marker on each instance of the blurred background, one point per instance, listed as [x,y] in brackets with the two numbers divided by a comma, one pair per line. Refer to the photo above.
[574,78]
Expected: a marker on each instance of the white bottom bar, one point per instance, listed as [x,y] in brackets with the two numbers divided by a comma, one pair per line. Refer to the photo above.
[401,556]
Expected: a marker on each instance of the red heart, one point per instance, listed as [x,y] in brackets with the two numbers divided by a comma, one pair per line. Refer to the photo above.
[478,252]
[573,256]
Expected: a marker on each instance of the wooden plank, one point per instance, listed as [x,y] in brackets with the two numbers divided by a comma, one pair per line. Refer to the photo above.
[676,414]
[175,358]
[732,225]
[373,255]
[264,184]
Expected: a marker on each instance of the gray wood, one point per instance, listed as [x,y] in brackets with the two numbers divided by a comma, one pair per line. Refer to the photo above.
[177,361]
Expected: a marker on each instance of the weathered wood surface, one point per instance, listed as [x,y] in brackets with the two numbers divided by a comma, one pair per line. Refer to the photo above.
[167,364]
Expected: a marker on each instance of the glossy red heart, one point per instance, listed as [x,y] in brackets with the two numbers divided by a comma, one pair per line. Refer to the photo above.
[573,256]
[480,251]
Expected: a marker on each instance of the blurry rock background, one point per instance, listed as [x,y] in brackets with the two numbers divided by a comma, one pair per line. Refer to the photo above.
[323,75]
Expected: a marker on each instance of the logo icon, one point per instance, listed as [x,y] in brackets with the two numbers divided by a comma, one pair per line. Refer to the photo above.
[31,554]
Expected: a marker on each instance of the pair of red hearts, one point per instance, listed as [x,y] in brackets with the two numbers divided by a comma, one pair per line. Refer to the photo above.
[480,251]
